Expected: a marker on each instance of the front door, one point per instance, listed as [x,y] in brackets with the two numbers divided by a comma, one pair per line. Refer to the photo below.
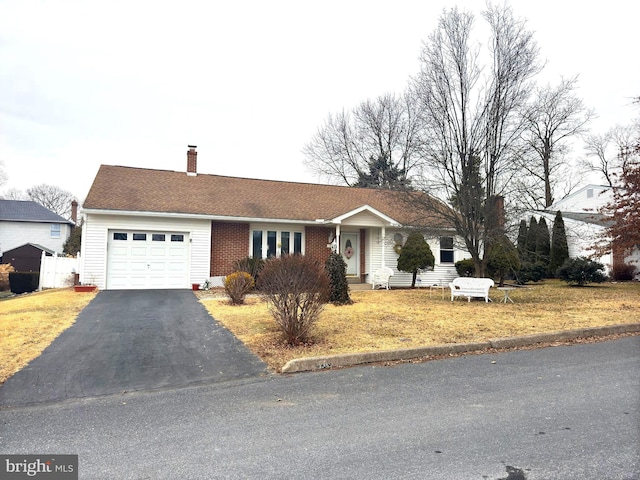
[349,251]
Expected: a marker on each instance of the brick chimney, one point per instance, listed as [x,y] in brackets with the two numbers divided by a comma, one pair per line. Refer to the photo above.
[74,212]
[192,161]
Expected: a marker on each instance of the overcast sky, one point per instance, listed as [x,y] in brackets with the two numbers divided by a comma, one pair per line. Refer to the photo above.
[249,82]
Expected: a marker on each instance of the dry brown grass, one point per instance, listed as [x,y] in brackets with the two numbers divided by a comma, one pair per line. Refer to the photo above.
[382,320]
[29,323]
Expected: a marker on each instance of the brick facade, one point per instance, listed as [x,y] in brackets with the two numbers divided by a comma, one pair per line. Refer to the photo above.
[229,242]
[316,239]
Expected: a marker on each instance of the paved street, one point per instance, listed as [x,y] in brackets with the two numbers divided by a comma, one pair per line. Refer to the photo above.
[555,413]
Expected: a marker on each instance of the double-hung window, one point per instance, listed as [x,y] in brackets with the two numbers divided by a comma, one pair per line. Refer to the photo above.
[55,230]
[446,249]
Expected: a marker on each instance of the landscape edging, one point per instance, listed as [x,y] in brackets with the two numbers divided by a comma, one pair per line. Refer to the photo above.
[351,359]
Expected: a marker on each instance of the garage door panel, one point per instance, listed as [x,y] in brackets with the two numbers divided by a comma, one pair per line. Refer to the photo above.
[157,267]
[150,263]
[118,266]
[175,266]
[119,251]
[138,266]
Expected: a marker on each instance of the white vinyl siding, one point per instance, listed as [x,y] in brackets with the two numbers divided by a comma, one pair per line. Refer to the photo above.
[16,234]
[362,219]
[441,274]
[95,234]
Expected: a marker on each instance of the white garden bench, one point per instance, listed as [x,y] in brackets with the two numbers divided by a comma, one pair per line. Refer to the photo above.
[471,288]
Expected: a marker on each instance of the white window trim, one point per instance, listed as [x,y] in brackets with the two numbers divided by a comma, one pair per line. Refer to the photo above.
[278,228]
[452,250]
[55,230]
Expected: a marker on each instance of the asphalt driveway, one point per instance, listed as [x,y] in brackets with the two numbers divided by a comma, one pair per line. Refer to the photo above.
[128,340]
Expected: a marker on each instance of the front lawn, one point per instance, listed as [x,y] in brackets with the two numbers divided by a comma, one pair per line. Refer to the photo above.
[382,320]
[30,322]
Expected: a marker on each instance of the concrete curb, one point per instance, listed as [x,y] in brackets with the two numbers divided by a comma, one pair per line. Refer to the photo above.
[351,359]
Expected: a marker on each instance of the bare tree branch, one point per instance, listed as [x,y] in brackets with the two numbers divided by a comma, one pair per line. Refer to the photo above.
[473,129]
[52,198]
[555,116]
[386,127]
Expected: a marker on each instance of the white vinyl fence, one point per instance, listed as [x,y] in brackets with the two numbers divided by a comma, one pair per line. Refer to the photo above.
[58,272]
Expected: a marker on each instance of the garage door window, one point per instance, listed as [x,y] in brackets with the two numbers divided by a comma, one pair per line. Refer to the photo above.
[119,236]
[177,238]
[140,236]
[158,237]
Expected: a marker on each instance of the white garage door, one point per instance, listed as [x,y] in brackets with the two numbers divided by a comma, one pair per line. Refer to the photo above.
[143,259]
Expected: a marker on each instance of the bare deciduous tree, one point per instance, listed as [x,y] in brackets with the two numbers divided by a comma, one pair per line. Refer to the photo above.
[53,198]
[473,128]
[609,153]
[3,174]
[14,194]
[384,130]
[555,116]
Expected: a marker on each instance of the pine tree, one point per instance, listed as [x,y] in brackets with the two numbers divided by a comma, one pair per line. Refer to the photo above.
[532,240]
[338,285]
[415,254]
[543,243]
[522,240]
[559,247]
[503,259]
[73,243]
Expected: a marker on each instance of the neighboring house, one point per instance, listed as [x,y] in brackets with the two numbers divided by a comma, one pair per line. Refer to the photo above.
[584,224]
[27,257]
[148,228]
[26,222]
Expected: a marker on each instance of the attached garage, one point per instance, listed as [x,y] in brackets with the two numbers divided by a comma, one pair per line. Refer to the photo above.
[138,259]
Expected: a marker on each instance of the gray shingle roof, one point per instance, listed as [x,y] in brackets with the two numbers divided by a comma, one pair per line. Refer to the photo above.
[27,211]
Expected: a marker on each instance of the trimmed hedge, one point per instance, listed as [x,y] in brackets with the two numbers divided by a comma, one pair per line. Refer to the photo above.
[24,282]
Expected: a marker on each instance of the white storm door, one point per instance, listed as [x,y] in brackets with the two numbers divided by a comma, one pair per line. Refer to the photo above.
[349,249]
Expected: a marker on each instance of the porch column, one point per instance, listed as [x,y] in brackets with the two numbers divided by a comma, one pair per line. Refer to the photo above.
[383,235]
[338,238]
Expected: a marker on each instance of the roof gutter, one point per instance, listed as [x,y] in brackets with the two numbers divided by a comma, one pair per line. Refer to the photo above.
[197,216]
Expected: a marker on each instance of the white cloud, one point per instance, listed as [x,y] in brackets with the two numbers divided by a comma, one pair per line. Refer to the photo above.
[133,82]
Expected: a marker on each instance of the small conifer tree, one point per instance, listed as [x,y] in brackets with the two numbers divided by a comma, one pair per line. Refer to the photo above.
[559,247]
[543,243]
[532,240]
[522,240]
[415,255]
[338,285]
[503,259]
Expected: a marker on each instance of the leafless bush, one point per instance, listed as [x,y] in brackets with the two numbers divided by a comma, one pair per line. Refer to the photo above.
[296,289]
[5,269]
[251,265]
[623,272]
